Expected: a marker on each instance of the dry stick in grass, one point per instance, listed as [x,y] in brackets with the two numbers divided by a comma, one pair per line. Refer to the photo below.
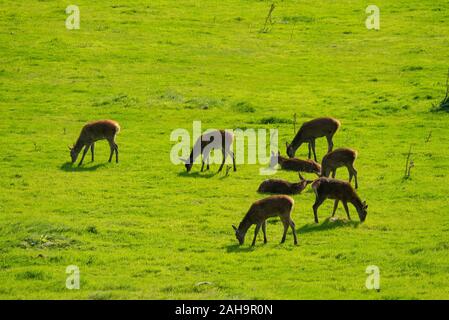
[268,19]
[293,28]
[407,163]
[294,123]
[445,102]
[429,136]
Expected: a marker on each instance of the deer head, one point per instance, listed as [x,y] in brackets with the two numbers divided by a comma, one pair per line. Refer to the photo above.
[239,235]
[290,151]
[73,154]
[363,211]
[187,164]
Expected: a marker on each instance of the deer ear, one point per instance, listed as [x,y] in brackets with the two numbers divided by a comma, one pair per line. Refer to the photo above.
[234,227]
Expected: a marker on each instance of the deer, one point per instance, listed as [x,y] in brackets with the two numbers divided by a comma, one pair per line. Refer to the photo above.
[216,139]
[294,164]
[92,132]
[311,130]
[283,187]
[260,211]
[329,188]
[342,157]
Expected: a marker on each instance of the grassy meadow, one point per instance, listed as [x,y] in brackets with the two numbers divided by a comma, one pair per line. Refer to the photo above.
[143,228]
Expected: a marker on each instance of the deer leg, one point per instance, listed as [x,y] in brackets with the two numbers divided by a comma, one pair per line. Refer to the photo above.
[206,159]
[316,205]
[92,150]
[335,207]
[334,172]
[86,148]
[233,159]
[313,149]
[224,159]
[116,152]
[202,164]
[330,143]
[112,149]
[292,225]
[345,204]
[264,230]
[286,225]
[256,231]
[353,172]
[310,149]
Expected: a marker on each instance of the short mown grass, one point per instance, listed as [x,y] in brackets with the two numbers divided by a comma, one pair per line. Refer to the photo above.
[143,228]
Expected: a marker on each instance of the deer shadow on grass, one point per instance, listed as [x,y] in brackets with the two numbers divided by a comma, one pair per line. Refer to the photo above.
[328,224]
[72,167]
[239,248]
[197,174]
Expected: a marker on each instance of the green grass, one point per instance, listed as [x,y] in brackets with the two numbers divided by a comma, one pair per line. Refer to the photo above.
[145,229]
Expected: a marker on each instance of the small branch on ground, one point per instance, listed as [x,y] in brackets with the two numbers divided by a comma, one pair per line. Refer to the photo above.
[408,164]
[268,21]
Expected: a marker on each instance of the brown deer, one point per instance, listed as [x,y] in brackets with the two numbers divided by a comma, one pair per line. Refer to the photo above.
[283,187]
[295,164]
[311,130]
[342,157]
[328,188]
[217,139]
[92,132]
[278,205]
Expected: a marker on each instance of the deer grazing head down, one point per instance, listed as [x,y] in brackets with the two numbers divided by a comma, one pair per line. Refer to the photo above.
[260,211]
[290,150]
[92,132]
[73,154]
[187,164]
[312,130]
[239,235]
[363,211]
[217,139]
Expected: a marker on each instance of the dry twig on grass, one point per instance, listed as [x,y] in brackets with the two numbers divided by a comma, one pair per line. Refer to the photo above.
[268,21]
[444,104]
[409,164]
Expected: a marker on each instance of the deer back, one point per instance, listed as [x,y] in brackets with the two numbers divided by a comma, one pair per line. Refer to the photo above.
[272,206]
[333,189]
[316,128]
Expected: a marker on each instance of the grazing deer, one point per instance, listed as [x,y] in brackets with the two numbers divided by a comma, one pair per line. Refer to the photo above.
[217,139]
[328,188]
[342,157]
[92,132]
[283,187]
[294,164]
[278,205]
[309,131]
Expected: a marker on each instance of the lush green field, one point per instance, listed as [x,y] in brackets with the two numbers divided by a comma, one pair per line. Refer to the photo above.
[144,228]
